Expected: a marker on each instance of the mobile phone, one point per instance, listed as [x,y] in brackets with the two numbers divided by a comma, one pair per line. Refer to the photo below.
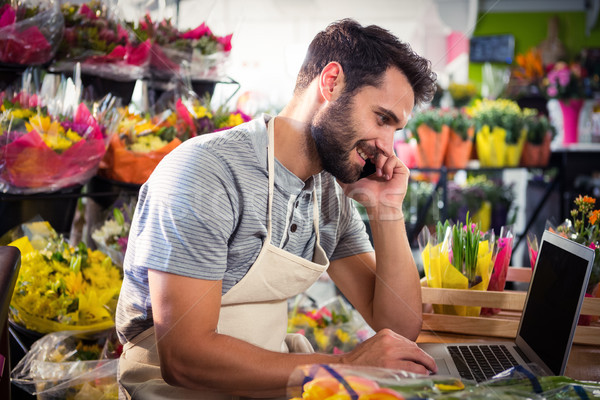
[368,169]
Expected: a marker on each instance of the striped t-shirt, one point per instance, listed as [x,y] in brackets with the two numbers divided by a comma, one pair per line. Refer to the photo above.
[203,214]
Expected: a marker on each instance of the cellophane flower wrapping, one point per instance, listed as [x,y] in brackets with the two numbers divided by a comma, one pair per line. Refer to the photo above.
[142,139]
[112,234]
[504,247]
[46,145]
[457,257]
[104,45]
[197,53]
[70,365]
[30,31]
[346,382]
[60,286]
[333,328]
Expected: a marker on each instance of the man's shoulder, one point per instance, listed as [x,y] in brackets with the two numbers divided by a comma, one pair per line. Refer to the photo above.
[244,136]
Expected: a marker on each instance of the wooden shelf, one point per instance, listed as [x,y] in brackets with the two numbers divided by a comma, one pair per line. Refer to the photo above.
[506,322]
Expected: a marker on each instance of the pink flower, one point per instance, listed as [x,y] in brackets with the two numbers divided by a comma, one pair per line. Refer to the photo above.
[564,76]
[225,42]
[121,33]
[197,33]
[552,91]
[593,246]
[7,16]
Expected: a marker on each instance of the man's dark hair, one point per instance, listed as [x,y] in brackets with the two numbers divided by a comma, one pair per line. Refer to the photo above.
[365,53]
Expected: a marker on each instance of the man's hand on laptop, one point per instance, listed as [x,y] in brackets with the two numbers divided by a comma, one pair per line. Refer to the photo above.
[387,349]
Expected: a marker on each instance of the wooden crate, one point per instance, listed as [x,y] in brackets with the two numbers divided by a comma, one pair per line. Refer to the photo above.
[503,324]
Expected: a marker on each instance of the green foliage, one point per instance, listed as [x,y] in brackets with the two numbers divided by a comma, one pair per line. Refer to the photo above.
[537,126]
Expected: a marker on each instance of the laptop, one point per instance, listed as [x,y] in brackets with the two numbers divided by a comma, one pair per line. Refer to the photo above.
[547,325]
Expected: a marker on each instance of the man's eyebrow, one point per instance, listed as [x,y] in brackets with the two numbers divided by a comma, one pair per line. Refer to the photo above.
[389,113]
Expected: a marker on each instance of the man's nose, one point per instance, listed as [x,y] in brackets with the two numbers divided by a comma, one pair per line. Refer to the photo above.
[385,144]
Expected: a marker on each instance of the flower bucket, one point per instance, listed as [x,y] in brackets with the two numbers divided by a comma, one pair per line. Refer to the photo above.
[491,146]
[458,152]
[571,108]
[432,146]
[513,151]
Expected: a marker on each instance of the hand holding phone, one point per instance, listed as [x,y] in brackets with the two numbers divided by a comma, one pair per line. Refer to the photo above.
[368,169]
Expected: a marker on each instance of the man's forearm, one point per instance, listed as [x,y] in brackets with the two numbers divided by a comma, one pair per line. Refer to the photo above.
[397,294]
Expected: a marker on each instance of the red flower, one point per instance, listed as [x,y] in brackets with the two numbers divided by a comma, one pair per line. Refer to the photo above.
[87,12]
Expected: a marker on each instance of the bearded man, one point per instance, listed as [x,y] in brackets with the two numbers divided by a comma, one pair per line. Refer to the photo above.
[232,224]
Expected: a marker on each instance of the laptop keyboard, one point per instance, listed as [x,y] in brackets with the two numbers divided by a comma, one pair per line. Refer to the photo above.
[481,362]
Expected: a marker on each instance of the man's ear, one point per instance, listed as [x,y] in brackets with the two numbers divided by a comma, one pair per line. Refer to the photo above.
[331,81]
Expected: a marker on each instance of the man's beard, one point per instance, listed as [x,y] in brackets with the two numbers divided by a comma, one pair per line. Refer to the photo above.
[334,136]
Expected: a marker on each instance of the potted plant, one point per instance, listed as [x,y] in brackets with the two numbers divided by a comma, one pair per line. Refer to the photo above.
[460,141]
[500,132]
[431,130]
[536,149]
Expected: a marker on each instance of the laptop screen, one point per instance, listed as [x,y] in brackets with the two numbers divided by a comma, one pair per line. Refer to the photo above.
[554,299]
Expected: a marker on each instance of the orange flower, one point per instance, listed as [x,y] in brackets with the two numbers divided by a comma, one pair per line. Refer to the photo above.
[594,216]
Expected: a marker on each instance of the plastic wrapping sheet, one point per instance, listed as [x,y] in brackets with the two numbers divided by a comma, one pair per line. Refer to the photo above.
[346,382]
[70,365]
[30,33]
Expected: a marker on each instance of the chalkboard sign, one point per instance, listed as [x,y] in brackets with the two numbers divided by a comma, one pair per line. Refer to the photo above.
[496,48]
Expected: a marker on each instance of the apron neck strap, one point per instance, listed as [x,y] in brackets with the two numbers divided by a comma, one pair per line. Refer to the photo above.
[271,172]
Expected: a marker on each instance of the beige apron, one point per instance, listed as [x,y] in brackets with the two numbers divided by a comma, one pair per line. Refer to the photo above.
[253,310]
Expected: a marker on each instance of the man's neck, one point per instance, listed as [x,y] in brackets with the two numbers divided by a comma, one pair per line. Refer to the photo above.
[294,145]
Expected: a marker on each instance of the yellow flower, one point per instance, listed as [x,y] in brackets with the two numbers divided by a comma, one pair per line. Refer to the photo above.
[321,338]
[144,128]
[20,113]
[232,120]
[74,283]
[344,337]
[201,112]
[148,143]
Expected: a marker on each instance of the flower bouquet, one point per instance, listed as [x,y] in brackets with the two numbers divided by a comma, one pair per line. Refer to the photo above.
[457,257]
[44,150]
[333,328]
[61,287]
[536,150]
[500,133]
[111,237]
[30,31]
[70,365]
[584,228]
[504,246]
[196,53]
[343,382]
[101,43]
[143,140]
[139,144]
